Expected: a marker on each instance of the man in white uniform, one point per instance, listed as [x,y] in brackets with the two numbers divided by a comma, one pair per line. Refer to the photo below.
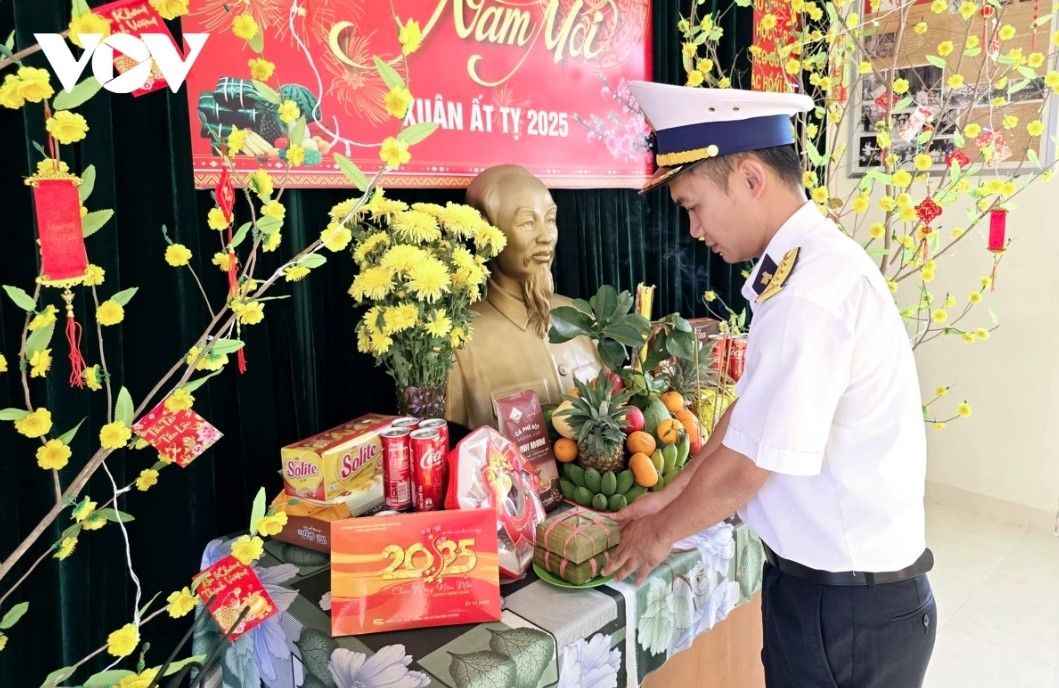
[824,453]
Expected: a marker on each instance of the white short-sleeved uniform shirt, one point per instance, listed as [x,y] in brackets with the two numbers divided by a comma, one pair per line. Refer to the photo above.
[830,402]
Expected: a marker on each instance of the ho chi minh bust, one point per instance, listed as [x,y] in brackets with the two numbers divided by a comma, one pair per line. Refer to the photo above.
[509,349]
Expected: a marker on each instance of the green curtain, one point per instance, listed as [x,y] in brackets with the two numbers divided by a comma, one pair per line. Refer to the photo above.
[304,373]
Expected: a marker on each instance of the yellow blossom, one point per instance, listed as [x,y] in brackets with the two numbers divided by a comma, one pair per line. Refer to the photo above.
[820,194]
[169,9]
[33,84]
[288,111]
[1007,32]
[88,23]
[429,280]
[3,364]
[950,301]
[981,333]
[710,296]
[394,153]
[922,162]
[93,377]
[972,130]
[247,549]
[920,28]
[939,316]
[148,478]
[110,313]
[1051,79]
[114,435]
[39,363]
[236,140]
[900,86]
[244,26]
[261,69]
[439,325]
[975,297]
[410,37]
[177,255]
[296,155]
[792,66]
[67,127]
[945,48]
[210,361]
[1035,128]
[999,102]
[1009,121]
[336,238]
[809,179]
[877,230]
[705,66]
[215,219]
[955,81]
[249,312]
[902,178]
[941,391]
[724,82]
[963,409]
[293,273]
[272,241]
[887,203]
[94,522]
[967,9]
[53,455]
[272,525]
[220,259]
[939,6]
[65,548]
[907,214]
[1035,60]
[860,203]
[44,318]
[179,400]
[122,642]
[397,102]
[180,602]
[938,425]
[261,183]
[146,678]
[10,96]
[274,209]
[83,510]
[892,286]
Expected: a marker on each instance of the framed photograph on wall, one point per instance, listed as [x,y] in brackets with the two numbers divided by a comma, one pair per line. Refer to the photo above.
[931,115]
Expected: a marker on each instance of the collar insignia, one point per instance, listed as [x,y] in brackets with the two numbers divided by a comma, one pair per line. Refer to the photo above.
[771,277]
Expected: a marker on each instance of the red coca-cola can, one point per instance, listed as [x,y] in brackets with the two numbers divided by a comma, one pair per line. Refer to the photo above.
[736,357]
[410,422]
[397,467]
[442,427]
[428,469]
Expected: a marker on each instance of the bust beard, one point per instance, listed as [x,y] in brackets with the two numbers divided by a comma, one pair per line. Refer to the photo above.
[537,290]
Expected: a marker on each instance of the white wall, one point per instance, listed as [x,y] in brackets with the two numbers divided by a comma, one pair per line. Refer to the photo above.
[1008,448]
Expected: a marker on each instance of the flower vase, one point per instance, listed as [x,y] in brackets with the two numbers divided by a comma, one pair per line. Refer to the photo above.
[426,401]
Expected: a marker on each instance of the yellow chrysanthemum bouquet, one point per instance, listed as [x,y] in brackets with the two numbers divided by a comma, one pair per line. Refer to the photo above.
[420,268]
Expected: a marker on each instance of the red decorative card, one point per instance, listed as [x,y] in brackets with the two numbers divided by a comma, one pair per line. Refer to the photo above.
[179,437]
[235,587]
[135,17]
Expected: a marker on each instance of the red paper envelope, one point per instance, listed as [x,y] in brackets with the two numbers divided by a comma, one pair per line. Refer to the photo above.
[180,437]
[235,587]
[135,17]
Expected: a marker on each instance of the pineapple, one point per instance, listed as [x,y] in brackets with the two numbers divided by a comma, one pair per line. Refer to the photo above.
[597,419]
[681,375]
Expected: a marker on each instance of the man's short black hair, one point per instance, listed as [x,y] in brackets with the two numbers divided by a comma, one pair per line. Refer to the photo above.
[783,160]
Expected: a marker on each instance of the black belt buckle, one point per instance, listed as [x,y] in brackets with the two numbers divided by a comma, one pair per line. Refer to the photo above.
[848,578]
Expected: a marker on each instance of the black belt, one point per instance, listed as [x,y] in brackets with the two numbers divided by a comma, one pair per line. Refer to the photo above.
[847,578]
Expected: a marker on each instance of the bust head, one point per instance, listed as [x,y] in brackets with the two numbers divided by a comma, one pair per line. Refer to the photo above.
[520,205]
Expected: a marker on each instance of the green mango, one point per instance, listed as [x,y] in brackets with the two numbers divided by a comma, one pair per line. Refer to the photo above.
[669,458]
[659,460]
[582,496]
[654,413]
[634,492]
[617,502]
[599,502]
[625,481]
[609,484]
[593,480]
[549,409]
[575,473]
[567,488]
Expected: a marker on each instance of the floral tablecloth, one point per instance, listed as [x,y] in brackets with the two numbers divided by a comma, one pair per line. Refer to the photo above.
[609,636]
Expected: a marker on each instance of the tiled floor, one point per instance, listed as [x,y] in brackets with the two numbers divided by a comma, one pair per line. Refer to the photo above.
[997,588]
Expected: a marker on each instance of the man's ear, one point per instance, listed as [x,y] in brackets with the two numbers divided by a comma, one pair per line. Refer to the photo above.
[752,175]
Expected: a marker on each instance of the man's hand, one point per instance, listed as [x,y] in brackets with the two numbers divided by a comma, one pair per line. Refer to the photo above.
[642,548]
[645,505]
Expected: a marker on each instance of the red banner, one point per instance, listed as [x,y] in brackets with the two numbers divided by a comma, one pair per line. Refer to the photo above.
[773,29]
[539,83]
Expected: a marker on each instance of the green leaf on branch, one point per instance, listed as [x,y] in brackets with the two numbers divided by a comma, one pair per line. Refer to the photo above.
[79,7]
[267,92]
[177,666]
[124,411]
[1020,84]
[123,297]
[106,679]
[80,93]
[165,236]
[972,52]
[389,76]
[13,615]
[297,132]
[626,333]
[992,316]
[923,137]
[903,103]
[313,260]
[58,676]
[604,304]
[144,608]
[351,172]
[9,44]
[878,252]
[257,512]
[88,183]
[13,414]
[958,139]
[21,298]
[417,132]
[39,340]
[68,437]
[681,344]
[115,516]
[938,62]
[226,346]
[612,354]
[814,155]
[1031,155]
[568,323]
[192,385]
[583,306]
[257,43]
[93,221]
[269,225]
[240,235]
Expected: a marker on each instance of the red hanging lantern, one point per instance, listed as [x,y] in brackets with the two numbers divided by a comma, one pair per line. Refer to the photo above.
[998,221]
[64,259]
[928,210]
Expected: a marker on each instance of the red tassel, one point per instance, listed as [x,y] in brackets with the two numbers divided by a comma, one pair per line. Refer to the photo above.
[73,339]
[241,358]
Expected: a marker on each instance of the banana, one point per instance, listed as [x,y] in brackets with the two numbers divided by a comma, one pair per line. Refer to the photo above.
[593,480]
[617,502]
[567,488]
[633,493]
[625,481]
[683,449]
[608,484]
[600,502]
[582,496]
[658,460]
[657,487]
[669,458]
[575,473]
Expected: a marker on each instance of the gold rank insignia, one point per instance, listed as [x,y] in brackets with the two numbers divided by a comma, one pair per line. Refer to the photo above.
[771,277]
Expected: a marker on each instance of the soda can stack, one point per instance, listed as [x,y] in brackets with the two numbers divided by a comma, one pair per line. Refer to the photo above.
[410,422]
[429,467]
[442,426]
[397,467]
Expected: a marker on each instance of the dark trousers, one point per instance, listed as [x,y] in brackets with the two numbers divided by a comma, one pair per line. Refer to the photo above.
[823,636]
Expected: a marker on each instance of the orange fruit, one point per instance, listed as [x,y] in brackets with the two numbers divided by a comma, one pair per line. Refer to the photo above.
[640,442]
[669,430]
[690,423]
[673,401]
[565,450]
